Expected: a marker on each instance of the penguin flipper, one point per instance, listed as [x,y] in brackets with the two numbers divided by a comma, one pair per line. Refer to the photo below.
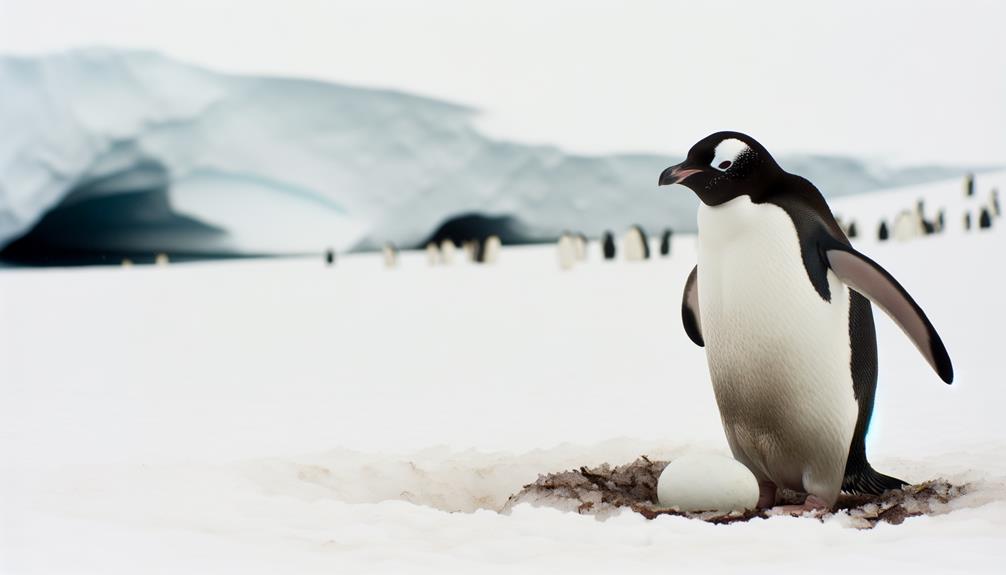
[868,278]
[690,308]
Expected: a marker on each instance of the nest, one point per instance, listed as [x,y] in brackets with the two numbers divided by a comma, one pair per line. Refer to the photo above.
[604,490]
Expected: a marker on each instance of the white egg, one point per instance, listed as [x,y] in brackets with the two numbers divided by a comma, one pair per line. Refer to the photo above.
[706,482]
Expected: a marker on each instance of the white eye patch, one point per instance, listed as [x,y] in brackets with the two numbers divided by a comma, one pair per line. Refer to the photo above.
[727,153]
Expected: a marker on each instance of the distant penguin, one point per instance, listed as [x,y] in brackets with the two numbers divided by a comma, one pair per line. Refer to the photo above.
[567,251]
[491,249]
[580,246]
[608,246]
[636,245]
[969,185]
[646,242]
[447,252]
[940,221]
[967,221]
[780,300]
[469,248]
[994,202]
[907,226]
[927,226]
[632,245]
[882,233]
[390,255]
[162,259]
[127,263]
[665,242]
[432,254]
[985,219]
[852,231]
[329,256]
[478,251]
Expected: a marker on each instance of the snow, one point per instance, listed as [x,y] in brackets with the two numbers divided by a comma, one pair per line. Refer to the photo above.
[310,164]
[280,415]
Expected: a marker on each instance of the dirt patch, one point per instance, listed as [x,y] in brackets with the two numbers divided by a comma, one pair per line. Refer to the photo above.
[605,490]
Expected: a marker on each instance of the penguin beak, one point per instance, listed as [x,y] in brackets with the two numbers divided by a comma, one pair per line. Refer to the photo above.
[676,174]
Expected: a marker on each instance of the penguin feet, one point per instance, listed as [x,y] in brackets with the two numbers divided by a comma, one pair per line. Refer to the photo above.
[766,494]
[813,505]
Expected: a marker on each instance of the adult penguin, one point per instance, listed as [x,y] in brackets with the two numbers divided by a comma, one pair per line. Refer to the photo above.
[779,301]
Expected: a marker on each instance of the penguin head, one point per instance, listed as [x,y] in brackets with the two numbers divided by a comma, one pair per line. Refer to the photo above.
[723,166]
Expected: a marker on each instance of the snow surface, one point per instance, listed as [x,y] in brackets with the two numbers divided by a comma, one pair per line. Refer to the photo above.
[282,416]
[281,165]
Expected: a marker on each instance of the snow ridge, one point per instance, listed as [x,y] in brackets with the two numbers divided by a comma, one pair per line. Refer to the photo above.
[285,165]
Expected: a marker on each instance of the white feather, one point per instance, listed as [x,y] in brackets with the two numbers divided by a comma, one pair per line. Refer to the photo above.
[728,151]
[778,354]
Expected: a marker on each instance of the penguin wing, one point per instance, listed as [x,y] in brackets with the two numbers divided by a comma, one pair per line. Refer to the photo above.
[868,278]
[690,308]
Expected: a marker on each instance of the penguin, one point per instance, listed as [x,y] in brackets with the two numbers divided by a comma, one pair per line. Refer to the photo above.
[994,202]
[985,219]
[329,256]
[447,251]
[567,251]
[390,255]
[852,232]
[781,301]
[432,254]
[882,233]
[928,228]
[491,249]
[162,259]
[969,185]
[478,251]
[665,242]
[580,246]
[471,248]
[940,221]
[907,225]
[636,245]
[645,240]
[608,245]
[967,221]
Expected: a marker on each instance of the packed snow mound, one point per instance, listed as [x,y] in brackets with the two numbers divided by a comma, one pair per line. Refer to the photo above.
[280,165]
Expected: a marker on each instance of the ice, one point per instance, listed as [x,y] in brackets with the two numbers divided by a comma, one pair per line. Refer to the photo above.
[287,166]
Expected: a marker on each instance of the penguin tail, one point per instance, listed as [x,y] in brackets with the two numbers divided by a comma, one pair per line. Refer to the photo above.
[867,481]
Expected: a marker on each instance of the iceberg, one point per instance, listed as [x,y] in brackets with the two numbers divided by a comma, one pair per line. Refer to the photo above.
[130,152]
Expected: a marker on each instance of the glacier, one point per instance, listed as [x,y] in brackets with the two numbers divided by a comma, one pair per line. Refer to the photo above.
[130,152]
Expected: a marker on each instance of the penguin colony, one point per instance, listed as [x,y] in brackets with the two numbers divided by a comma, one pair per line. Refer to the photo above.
[635,244]
[781,302]
[980,215]
[909,224]
[482,252]
[573,246]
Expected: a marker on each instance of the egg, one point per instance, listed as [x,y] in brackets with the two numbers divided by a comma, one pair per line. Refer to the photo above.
[707,482]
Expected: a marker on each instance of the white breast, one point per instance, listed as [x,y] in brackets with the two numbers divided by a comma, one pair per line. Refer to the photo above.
[778,354]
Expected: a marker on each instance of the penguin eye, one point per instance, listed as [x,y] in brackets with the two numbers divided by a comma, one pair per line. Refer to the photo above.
[727,152]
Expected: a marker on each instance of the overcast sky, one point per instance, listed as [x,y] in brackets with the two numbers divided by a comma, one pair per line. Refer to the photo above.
[905,81]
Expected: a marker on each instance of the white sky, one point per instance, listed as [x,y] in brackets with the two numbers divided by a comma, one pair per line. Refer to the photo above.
[906,81]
